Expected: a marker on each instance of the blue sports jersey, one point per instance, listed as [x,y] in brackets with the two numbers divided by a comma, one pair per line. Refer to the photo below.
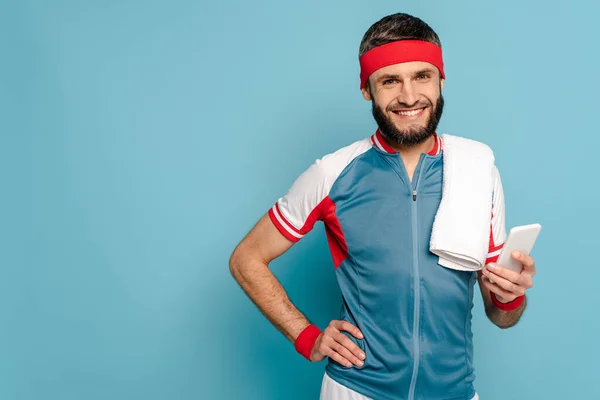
[414,313]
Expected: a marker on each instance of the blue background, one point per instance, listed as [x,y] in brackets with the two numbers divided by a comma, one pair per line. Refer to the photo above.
[141,140]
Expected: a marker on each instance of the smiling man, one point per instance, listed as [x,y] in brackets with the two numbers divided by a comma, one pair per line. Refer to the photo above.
[404,331]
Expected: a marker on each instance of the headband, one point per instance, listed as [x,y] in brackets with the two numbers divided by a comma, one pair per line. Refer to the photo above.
[398,52]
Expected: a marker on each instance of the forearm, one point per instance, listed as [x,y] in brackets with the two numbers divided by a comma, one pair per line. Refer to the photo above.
[504,319]
[265,291]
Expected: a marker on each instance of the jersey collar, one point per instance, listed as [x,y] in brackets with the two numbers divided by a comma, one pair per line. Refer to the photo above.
[378,141]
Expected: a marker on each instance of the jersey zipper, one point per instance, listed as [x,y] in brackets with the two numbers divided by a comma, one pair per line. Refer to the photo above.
[417,280]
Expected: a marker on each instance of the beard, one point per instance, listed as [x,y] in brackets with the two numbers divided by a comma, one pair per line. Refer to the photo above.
[413,135]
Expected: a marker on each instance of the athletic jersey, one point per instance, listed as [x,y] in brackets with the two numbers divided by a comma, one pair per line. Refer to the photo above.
[415,314]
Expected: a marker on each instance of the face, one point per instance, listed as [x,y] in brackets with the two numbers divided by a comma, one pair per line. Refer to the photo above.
[407,101]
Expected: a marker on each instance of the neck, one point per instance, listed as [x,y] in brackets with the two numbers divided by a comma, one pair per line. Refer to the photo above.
[414,152]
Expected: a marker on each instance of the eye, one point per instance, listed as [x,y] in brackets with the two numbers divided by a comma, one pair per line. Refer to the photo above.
[422,77]
[390,81]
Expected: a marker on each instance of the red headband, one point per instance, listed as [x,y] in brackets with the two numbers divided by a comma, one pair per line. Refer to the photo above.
[399,52]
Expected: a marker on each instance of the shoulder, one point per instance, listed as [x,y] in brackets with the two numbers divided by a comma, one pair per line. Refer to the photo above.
[474,151]
[331,165]
[467,146]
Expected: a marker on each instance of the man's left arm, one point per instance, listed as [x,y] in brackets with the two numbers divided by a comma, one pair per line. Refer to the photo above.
[504,296]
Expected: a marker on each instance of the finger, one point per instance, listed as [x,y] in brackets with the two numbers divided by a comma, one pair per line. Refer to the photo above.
[343,351]
[337,357]
[492,287]
[504,283]
[503,272]
[348,327]
[512,276]
[350,346]
[527,261]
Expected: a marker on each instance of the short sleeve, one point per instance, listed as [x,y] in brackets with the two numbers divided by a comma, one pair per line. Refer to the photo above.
[295,214]
[498,224]
[307,201]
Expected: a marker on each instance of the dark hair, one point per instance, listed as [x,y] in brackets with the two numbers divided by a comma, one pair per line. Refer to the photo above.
[395,27]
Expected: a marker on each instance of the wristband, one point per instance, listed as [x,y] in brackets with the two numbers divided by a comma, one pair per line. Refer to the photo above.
[510,306]
[306,340]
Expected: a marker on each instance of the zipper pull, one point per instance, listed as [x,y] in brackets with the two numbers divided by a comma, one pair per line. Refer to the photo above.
[414,195]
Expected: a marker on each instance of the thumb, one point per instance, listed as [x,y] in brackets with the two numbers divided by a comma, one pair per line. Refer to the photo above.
[525,260]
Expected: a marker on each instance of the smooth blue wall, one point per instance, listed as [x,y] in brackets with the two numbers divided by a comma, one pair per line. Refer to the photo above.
[140,140]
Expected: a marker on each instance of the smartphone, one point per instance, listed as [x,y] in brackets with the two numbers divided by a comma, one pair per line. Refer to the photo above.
[520,238]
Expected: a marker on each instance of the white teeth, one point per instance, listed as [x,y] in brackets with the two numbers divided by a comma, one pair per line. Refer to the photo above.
[409,113]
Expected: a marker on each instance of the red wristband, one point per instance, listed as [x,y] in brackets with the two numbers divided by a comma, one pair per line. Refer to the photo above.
[306,340]
[510,306]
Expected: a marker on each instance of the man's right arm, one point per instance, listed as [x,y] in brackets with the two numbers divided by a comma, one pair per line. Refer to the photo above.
[249,265]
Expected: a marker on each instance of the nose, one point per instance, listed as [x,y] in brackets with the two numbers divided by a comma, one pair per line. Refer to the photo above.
[407,94]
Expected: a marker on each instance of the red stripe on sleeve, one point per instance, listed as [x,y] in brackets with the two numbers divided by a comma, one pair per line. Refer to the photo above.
[287,223]
[281,228]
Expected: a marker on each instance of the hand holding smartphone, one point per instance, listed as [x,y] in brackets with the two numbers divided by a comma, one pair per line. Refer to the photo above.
[521,239]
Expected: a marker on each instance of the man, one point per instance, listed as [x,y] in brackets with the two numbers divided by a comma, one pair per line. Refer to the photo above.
[405,325]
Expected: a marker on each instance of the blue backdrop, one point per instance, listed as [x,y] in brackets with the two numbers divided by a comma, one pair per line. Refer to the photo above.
[140,140]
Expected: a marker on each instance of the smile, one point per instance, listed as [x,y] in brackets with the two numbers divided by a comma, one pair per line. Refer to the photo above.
[409,113]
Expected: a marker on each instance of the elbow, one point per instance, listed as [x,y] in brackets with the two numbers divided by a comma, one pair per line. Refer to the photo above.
[234,263]
[505,326]
[245,262]
[500,320]
[500,323]
[240,262]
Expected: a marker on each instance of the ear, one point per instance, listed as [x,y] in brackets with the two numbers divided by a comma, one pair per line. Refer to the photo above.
[442,84]
[366,92]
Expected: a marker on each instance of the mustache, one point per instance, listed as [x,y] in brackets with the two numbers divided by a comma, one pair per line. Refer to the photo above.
[404,106]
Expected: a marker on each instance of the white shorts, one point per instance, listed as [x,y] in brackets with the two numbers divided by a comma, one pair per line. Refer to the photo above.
[331,390]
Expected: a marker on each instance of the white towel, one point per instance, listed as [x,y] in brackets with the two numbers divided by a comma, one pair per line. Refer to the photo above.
[461,229]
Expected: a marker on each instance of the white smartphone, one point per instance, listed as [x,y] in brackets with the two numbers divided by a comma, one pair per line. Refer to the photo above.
[520,238]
